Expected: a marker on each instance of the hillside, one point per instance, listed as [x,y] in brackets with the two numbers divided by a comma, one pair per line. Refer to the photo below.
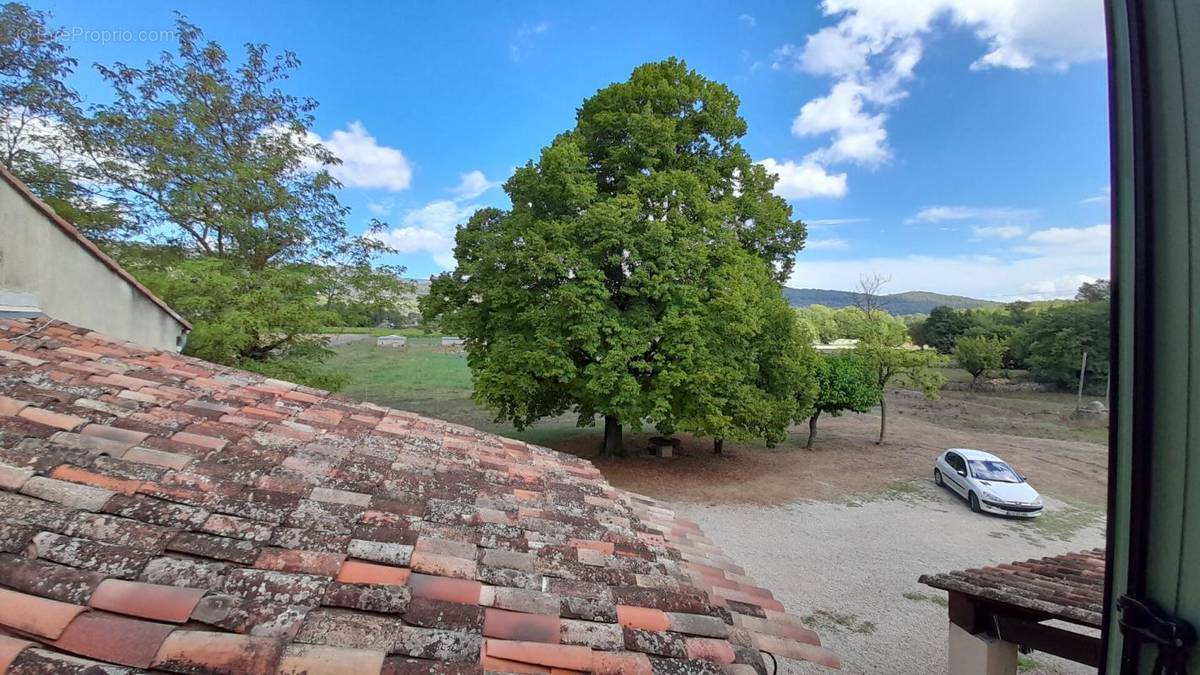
[910,302]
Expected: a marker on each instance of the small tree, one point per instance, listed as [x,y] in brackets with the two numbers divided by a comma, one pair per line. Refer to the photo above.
[914,367]
[844,382]
[979,354]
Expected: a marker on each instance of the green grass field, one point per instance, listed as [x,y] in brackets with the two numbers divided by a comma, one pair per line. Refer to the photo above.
[357,330]
[428,379]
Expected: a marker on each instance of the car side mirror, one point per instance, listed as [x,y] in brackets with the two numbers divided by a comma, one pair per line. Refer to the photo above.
[962,472]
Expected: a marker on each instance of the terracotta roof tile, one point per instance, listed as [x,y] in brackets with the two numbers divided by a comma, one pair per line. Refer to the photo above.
[34,615]
[1068,587]
[36,661]
[359,572]
[109,559]
[443,588]
[186,651]
[48,579]
[300,659]
[73,495]
[309,533]
[51,419]
[148,601]
[499,623]
[112,638]
[10,649]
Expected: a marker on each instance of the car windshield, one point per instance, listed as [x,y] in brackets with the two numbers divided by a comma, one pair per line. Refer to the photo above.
[987,469]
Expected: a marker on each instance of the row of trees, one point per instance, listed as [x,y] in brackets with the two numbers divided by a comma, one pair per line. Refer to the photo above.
[1047,338]
[201,176]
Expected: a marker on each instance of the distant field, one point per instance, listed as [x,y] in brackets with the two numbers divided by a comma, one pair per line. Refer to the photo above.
[429,379]
[418,332]
[426,378]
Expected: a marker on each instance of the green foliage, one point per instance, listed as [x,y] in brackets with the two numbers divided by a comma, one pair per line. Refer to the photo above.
[1053,343]
[943,327]
[977,355]
[1099,290]
[210,196]
[755,374]
[891,362]
[265,320]
[635,276]
[37,113]
[845,382]
[827,324]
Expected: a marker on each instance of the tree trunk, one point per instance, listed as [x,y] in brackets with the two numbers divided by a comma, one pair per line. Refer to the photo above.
[812,429]
[974,379]
[614,438]
[882,418]
[718,445]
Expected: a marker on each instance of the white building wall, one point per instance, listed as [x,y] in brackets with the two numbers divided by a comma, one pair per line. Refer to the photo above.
[70,282]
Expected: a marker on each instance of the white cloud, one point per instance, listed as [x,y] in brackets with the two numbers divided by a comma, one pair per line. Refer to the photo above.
[381,208]
[748,20]
[805,180]
[826,245]
[430,229]
[873,50]
[1092,239]
[472,184]
[1103,197]
[858,137]
[366,163]
[939,214]
[523,39]
[822,223]
[985,277]
[1049,263]
[1000,231]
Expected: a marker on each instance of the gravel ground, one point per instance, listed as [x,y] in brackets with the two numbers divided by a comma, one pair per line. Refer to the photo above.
[850,569]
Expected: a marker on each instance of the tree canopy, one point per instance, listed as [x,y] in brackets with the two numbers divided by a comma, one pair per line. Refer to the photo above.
[892,361]
[636,275]
[977,355]
[203,178]
[1053,342]
[845,382]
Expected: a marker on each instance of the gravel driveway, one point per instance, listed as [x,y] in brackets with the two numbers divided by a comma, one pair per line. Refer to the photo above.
[851,568]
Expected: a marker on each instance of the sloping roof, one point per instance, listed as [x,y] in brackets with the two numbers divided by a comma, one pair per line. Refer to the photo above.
[72,232]
[157,511]
[1068,586]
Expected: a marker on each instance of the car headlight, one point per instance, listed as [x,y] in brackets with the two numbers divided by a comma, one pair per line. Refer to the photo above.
[990,496]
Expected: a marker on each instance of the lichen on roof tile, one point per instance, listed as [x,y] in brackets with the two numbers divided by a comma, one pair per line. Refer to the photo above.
[224,522]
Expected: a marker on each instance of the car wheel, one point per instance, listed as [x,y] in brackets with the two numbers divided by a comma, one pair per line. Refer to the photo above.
[937,477]
[974,501]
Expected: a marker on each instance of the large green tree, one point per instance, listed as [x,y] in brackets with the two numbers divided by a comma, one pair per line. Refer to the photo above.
[844,382]
[239,222]
[38,113]
[1054,341]
[601,291]
[944,326]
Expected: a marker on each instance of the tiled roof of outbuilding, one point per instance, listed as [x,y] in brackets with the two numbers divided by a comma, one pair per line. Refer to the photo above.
[160,512]
[1068,586]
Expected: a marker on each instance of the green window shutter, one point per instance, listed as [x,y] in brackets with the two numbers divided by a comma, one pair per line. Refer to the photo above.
[1154,503]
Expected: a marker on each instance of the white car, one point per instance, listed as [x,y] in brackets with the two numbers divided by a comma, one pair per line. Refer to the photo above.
[987,482]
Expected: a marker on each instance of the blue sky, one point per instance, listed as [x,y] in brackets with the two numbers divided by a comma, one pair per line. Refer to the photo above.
[957,146]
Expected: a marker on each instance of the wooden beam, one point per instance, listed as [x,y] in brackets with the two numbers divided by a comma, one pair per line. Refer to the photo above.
[1077,647]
